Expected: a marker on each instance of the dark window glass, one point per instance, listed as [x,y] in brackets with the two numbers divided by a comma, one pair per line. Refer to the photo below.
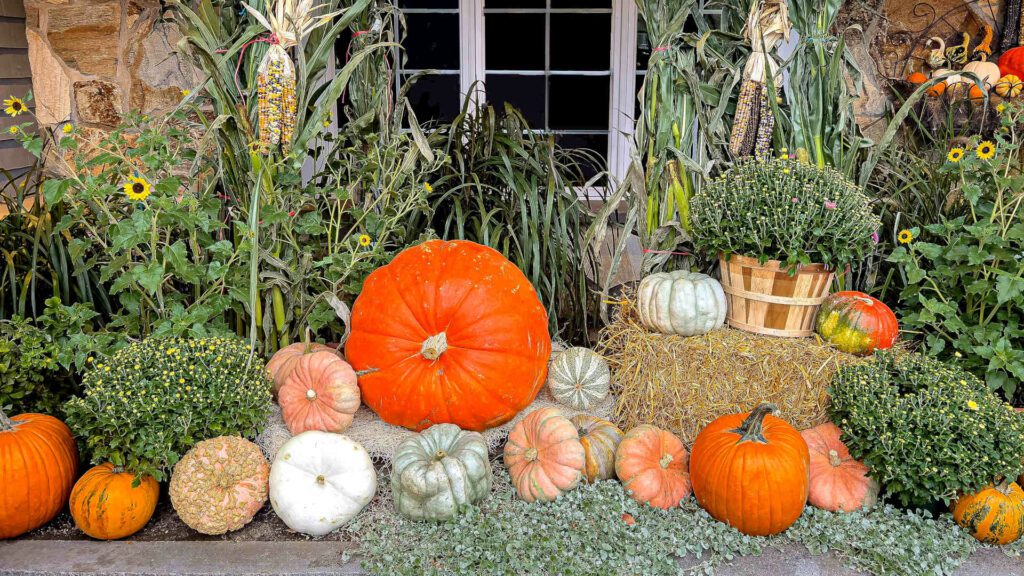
[597,144]
[526,93]
[581,41]
[435,97]
[515,41]
[636,100]
[432,41]
[581,4]
[578,102]
[513,4]
[429,4]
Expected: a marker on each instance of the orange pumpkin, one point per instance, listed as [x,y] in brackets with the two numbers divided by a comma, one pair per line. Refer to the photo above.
[544,456]
[917,78]
[653,466]
[106,506]
[857,323]
[838,482]
[994,515]
[600,438]
[283,362]
[38,459]
[321,393]
[937,89]
[449,332]
[751,471]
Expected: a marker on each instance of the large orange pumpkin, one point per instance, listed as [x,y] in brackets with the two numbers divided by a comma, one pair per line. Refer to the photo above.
[653,466]
[449,332]
[544,456]
[838,482]
[600,439]
[283,362]
[38,459]
[106,506]
[1012,62]
[994,515]
[751,471]
[321,393]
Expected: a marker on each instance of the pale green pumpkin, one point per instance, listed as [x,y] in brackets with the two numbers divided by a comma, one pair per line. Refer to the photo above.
[579,378]
[439,470]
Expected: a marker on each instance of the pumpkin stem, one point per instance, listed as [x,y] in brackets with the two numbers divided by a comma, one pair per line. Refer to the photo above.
[5,423]
[440,455]
[531,454]
[665,460]
[833,459]
[750,430]
[434,346]
[311,394]
[321,480]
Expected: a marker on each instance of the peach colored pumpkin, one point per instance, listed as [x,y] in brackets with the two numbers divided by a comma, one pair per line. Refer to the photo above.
[321,394]
[220,484]
[283,362]
[544,456]
[653,466]
[838,482]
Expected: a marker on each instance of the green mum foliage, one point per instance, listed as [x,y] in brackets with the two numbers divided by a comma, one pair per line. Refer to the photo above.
[151,401]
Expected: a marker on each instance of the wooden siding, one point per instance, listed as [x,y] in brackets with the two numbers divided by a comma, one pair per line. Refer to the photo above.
[15,79]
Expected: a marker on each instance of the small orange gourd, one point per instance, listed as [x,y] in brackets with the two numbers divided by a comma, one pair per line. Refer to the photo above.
[544,456]
[1009,86]
[106,506]
[995,515]
[917,78]
[653,466]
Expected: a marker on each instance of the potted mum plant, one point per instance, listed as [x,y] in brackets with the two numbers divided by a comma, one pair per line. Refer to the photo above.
[781,229]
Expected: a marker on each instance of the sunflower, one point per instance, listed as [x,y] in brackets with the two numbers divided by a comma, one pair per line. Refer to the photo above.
[14,106]
[364,239]
[137,188]
[955,154]
[986,150]
[13,129]
[67,128]
[905,236]
[428,187]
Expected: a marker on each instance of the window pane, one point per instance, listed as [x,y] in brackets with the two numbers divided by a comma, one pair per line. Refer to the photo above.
[643,45]
[526,93]
[579,102]
[428,4]
[515,41]
[597,144]
[581,41]
[513,4]
[581,4]
[435,97]
[432,41]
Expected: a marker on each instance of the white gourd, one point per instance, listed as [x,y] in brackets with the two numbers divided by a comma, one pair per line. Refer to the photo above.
[319,481]
[579,378]
[681,302]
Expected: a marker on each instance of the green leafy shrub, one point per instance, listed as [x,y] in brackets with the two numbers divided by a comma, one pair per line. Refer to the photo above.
[927,429]
[781,209]
[152,401]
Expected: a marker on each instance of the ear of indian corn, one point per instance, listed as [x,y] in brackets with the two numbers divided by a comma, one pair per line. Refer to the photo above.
[276,108]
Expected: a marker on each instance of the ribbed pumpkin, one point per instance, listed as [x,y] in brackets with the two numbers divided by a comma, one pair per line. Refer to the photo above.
[579,378]
[993,516]
[220,484]
[838,482]
[283,362]
[437,471]
[857,323]
[751,471]
[449,332]
[653,466]
[106,506]
[321,394]
[681,302]
[544,456]
[38,459]
[600,438]
[1009,86]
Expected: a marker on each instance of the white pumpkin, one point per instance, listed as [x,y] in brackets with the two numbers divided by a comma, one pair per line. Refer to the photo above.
[320,481]
[579,378]
[681,302]
[987,72]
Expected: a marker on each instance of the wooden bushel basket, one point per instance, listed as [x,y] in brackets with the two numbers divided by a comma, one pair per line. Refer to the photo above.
[765,299]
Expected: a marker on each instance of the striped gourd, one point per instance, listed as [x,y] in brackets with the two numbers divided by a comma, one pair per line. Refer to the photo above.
[600,438]
[579,378]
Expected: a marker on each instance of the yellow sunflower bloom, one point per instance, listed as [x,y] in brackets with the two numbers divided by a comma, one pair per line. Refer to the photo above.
[13,129]
[428,187]
[1001,108]
[67,128]
[986,150]
[364,239]
[186,93]
[14,106]
[137,189]
[971,404]
[905,236]
[955,155]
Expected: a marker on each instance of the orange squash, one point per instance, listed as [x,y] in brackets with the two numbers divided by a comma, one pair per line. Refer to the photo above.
[106,506]
[321,393]
[544,456]
[751,471]
[838,482]
[653,466]
[600,438]
[449,332]
[38,459]
[917,78]
[283,362]
[994,515]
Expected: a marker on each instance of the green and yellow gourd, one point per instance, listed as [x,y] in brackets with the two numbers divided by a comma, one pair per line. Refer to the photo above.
[600,439]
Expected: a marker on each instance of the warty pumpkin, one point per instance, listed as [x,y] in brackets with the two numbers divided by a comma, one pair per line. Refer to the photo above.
[994,515]
[106,506]
[838,482]
[449,332]
[38,459]
[751,471]
[579,378]
[321,393]
[600,438]
[544,456]
[856,323]
[681,302]
[653,466]
[283,362]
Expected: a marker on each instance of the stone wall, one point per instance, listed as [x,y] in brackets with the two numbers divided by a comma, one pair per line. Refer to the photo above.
[94,59]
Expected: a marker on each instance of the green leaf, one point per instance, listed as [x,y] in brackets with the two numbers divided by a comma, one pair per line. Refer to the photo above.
[150,276]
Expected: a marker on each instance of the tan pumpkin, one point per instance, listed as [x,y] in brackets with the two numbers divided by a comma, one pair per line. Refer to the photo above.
[283,362]
[321,394]
[106,506]
[544,456]
[600,438]
[994,515]
[838,482]
[987,72]
[653,466]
